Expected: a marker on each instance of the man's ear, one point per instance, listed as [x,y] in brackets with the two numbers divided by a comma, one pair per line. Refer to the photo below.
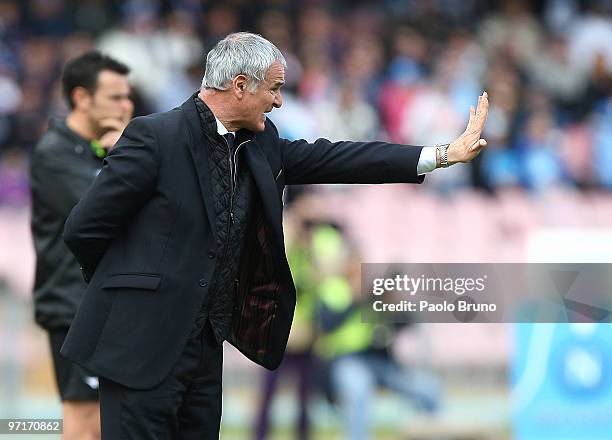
[239,85]
[81,98]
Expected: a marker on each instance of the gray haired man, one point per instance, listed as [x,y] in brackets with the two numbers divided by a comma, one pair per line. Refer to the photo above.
[180,239]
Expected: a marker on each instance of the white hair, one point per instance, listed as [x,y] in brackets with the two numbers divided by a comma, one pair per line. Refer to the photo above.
[240,53]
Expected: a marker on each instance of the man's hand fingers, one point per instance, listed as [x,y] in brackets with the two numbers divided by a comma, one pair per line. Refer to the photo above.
[485,104]
[481,111]
[112,124]
[108,140]
[471,119]
[478,145]
[478,117]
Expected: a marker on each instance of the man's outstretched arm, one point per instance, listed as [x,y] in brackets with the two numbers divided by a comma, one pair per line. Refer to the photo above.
[376,162]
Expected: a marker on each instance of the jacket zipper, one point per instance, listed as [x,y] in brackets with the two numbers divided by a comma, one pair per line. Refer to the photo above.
[233,165]
[229,160]
[233,182]
[235,178]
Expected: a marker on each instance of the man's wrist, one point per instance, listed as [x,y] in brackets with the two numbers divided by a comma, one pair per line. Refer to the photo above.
[452,154]
[442,156]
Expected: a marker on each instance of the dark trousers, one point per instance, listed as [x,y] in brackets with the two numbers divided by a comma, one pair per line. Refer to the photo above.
[185,406]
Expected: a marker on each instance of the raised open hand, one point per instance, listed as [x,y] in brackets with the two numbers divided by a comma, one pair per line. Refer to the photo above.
[467,146]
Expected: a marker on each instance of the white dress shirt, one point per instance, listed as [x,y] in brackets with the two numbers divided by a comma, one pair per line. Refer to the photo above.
[222,130]
[427,160]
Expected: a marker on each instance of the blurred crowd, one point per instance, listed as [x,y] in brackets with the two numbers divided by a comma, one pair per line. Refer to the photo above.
[398,70]
[405,71]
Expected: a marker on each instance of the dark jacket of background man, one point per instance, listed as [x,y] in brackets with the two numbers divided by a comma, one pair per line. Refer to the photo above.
[145,236]
[62,167]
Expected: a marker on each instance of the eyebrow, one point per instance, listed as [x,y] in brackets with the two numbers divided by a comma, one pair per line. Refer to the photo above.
[278,83]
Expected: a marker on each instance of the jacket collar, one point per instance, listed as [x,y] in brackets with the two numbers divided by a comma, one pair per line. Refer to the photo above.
[255,156]
[209,121]
[60,126]
[196,129]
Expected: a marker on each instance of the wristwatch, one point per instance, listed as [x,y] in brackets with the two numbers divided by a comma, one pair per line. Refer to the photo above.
[443,152]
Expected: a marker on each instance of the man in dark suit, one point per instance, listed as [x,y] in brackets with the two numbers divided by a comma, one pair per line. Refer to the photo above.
[180,238]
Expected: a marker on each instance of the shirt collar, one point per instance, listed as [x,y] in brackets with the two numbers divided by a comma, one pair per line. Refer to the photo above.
[221,128]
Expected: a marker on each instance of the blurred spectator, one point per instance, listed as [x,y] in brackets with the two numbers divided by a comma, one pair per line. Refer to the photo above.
[14,188]
[75,44]
[602,144]
[48,18]
[158,55]
[501,166]
[298,360]
[554,73]
[558,14]
[93,16]
[406,70]
[512,31]
[356,355]
[296,121]
[275,26]
[9,104]
[363,64]
[29,122]
[11,29]
[318,77]
[346,115]
[590,37]
[219,20]
[540,164]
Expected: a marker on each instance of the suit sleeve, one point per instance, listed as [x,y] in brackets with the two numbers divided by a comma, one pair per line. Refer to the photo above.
[127,179]
[349,162]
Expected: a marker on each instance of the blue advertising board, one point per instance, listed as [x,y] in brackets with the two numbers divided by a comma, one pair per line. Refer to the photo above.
[562,382]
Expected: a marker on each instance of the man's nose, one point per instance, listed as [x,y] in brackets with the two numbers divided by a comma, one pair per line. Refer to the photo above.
[278,100]
[127,105]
